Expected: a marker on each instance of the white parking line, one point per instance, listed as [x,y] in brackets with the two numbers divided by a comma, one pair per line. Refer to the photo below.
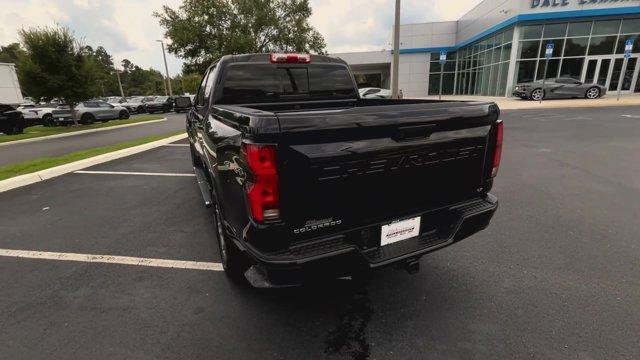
[109,259]
[131,173]
[176,145]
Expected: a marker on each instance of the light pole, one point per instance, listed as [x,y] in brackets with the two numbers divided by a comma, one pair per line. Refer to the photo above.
[166,69]
[396,53]
[119,83]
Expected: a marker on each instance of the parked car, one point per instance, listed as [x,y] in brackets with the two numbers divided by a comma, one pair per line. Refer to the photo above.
[135,104]
[375,93]
[90,111]
[44,112]
[11,120]
[182,103]
[308,179]
[159,104]
[558,88]
[114,100]
[30,114]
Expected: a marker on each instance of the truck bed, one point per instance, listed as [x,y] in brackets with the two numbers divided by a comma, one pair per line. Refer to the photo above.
[367,160]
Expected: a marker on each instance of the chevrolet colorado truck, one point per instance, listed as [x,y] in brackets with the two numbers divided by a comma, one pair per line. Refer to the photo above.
[308,179]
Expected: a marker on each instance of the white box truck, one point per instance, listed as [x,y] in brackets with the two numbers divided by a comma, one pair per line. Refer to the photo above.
[11,120]
[9,87]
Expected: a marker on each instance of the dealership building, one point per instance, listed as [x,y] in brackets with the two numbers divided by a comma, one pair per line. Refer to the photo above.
[502,42]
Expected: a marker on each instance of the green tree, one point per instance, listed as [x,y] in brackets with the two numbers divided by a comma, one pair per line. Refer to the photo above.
[204,30]
[56,65]
[11,53]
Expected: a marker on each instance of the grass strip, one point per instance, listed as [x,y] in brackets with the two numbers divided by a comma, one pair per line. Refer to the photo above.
[39,130]
[30,166]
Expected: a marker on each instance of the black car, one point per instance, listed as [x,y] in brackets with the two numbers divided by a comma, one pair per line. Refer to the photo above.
[306,179]
[12,121]
[159,104]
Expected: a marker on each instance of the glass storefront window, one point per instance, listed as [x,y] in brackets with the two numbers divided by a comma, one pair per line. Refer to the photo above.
[502,83]
[579,29]
[493,80]
[506,52]
[555,30]
[552,69]
[602,45]
[496,55]
[576,46]
[526,71]
[508,35]
[606,27]
[622,41]
[529,49]
[630,26]
[531,32]
[447,83]
[572,68]
[557,47]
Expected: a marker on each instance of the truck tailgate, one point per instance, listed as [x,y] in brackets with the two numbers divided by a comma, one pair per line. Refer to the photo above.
[363,165]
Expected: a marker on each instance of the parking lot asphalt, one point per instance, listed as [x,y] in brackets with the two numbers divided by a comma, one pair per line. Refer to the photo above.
[15,153]
[555,276]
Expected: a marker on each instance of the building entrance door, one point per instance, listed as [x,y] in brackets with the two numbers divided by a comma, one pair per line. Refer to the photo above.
[607,71]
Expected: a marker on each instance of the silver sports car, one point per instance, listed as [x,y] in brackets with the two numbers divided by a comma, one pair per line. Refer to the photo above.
[557,89]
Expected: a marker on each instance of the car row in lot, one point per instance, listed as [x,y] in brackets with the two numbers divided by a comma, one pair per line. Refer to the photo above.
[150,104]
[14,119]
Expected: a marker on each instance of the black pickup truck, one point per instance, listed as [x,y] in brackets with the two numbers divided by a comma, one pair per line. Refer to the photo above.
[307,179]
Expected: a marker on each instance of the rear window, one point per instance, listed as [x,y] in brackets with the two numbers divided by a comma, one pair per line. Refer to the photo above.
[256,83]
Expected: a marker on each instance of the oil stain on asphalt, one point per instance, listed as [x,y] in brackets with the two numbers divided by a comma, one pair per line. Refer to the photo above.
[349,337]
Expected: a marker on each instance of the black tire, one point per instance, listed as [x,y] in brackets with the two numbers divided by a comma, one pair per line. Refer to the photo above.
[592,93]
[87,119]
[234,262]
[123,115]
[47,120]
[140,110]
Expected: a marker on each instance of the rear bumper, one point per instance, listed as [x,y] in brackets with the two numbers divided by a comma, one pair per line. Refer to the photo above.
[341,254]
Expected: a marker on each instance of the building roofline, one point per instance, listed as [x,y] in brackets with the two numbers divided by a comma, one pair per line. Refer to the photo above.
[572,14]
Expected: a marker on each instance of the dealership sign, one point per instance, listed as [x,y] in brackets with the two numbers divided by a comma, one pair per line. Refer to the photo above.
[556,3]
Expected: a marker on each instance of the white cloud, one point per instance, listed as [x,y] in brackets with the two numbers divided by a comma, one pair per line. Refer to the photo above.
[361,25]
[127,28]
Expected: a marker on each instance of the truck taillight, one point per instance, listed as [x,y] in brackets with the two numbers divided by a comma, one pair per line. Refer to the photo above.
[279,58]
[498,151]
[262,193]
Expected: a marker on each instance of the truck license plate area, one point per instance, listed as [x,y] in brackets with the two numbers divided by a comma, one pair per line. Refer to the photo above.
[399,230]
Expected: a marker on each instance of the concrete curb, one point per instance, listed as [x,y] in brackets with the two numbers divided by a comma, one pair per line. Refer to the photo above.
[27,179]
[79,132]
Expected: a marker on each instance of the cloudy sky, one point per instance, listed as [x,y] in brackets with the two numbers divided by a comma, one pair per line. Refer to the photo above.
[127,29]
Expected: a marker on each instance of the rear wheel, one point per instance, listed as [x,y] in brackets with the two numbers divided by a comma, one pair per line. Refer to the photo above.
[87,119]
[592,93]
[234,262]
[123,115]
[537,94]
